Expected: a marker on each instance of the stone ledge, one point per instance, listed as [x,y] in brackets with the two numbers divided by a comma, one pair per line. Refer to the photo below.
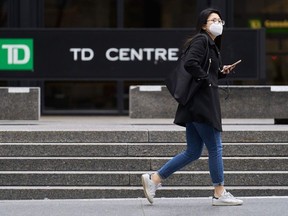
[243,102]
[19,103]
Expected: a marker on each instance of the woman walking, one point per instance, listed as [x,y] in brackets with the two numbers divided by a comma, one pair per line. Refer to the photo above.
[201,115]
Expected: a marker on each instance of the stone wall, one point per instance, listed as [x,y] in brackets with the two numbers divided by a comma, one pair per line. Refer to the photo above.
[243,102]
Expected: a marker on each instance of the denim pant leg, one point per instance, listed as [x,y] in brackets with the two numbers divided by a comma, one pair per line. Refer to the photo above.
[193,152]
[213,142]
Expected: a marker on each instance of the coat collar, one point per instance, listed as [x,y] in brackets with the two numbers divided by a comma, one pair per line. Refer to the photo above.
[210,40]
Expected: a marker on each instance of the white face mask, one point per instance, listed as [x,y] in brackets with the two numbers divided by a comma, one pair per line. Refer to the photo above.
[216,29]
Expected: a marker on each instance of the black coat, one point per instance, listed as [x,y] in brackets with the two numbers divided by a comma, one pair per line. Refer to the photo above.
[204,107]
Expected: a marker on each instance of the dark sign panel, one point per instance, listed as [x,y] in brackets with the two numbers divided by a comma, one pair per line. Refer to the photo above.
[114,54]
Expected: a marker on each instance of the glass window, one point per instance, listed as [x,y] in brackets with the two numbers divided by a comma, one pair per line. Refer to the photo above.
[3,83]
[3,13]
[255,13]
[277,67]
[159,13]
[76,95]
[80,13]
[272,15]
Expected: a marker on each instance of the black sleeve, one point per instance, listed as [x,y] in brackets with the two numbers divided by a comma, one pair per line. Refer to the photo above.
[221,75]
[195,56]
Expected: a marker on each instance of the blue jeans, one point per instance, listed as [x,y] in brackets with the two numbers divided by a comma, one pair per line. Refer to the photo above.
[198,134]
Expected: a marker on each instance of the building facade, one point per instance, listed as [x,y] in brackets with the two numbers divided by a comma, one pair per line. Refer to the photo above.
[93,19]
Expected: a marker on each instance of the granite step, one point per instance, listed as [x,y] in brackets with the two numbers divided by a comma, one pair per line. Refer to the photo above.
[182,178]
[91,161]
[229,149]
[147,134]
[60,192]
[133,149]
[135,163]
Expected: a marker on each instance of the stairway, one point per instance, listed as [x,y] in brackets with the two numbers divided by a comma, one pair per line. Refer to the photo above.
[107,162]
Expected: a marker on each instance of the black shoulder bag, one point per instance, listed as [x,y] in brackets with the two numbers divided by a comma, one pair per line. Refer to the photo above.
[180,83]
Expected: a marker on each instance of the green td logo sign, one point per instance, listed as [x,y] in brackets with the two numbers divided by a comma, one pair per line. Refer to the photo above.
[16,54]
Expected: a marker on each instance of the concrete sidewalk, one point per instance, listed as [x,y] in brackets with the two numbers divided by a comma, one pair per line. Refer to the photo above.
[253,206]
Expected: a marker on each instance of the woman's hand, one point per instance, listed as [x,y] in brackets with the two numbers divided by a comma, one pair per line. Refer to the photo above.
[227,69]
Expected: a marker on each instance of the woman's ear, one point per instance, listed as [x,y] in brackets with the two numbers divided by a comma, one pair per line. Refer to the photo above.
[204,27]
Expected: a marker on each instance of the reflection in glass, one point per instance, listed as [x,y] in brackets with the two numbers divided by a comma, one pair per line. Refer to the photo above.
[80,95]
[80,13]
[271,15]
[159,13]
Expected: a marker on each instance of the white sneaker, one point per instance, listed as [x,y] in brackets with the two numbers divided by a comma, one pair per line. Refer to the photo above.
[149,187]
[226,199]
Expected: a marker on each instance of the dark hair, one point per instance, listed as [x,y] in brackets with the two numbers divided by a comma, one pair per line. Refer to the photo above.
[203,16]
[201,21]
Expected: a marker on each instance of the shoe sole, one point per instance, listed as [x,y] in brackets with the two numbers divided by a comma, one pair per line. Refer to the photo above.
[145,189]
[226,204]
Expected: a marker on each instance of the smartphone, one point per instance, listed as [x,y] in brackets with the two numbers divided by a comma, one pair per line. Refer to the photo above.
[234,64]
[237,62]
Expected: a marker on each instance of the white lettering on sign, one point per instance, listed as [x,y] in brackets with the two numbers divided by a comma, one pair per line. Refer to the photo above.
[148,54]
[109,55]
[13,53]
[85,54]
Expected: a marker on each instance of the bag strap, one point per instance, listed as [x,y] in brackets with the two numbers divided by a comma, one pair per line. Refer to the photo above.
[206,51]
[188,47]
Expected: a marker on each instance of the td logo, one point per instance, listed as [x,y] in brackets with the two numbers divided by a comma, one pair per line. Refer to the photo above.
[16,54]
